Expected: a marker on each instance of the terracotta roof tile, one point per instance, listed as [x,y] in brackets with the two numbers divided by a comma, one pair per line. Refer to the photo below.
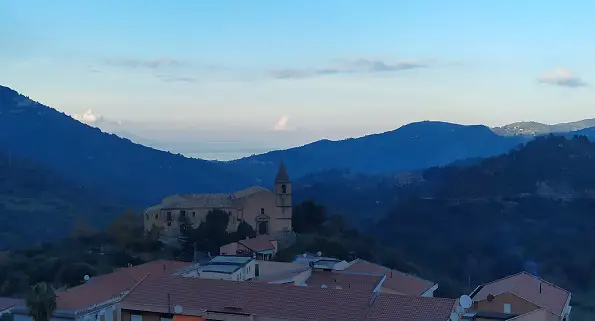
[345,280]
[259,299]
[529,287]
[395,280]
[410,308]
[108,286]
[258,244]
[6,303]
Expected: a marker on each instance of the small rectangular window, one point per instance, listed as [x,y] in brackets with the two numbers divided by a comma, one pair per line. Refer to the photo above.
[507,308]
[136,317]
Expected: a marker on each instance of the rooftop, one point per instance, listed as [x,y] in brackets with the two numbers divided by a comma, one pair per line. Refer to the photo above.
[189,201]
[225,264]
[197,296]
[345,280]
[529,287]
[397,281]
[105,287]
[7,303]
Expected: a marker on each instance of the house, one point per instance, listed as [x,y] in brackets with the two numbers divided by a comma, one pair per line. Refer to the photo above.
[262,247]
[96,299]
[268,212]
[223,267]
[192,299]
[523,297]
[7,304]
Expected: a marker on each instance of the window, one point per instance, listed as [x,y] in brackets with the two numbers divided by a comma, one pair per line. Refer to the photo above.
[156,215]
[283,189]
[182,215]
[262,211]
[147,217]
[507,308]
[136,317]
[193,214]
[169,216]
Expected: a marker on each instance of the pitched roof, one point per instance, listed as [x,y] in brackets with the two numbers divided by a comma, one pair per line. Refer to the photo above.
[7,303]
[345,280]
[536,315]
[282,176]
[253,298]
[197,295]
[529,287]
[410,308]
[258,244]
[197,201]
[249,191]
[108,286]
[397,281]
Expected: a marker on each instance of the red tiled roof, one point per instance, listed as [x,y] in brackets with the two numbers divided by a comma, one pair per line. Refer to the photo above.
[395,280]
[108,286]
[6,303]
[396,307]
[259,299]
[527,286]
[258,244]
[345,280]
[197,296]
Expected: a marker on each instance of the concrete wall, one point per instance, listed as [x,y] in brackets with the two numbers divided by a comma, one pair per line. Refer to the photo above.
[518,305]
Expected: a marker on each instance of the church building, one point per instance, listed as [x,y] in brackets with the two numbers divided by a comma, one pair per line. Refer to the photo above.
[268,212]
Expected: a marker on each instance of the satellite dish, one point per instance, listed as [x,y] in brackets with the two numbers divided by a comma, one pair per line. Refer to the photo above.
[305,255]
[178,309]
[319,253]
[102,312]
[454,316]
[311,264]
[465,301]
[86,277]
[490,298]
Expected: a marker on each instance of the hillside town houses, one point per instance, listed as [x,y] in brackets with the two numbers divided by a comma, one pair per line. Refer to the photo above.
[312,287]
[244,282]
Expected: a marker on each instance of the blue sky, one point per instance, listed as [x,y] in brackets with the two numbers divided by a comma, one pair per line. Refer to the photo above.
[245,76]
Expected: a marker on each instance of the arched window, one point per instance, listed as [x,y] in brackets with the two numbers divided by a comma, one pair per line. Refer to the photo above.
[147,217]
[283,189]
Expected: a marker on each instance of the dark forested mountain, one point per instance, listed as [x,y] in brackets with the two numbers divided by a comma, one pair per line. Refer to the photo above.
[91,157]
[37,204]
[532,208]
[534,128]
[411,147]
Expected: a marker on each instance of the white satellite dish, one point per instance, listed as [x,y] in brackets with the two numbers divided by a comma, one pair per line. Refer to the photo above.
[454,316]
[319,253]
[465,301]
[305,255]
[178,309]
[86,277]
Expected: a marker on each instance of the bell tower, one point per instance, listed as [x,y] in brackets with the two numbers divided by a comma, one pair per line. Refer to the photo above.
[283,197]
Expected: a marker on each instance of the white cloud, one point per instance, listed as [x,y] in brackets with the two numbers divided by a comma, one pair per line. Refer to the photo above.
[562,77]
[89,117]
[282,123]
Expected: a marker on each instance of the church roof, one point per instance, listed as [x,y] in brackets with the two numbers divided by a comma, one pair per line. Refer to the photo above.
[282,176]
[222,200]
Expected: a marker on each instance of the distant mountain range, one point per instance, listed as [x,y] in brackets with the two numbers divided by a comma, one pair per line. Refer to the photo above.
[532,128]
[93,158]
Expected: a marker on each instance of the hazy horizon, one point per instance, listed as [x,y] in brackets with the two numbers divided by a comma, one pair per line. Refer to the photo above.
[226,77]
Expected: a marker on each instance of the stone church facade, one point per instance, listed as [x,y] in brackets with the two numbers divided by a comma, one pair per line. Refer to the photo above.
[268,212]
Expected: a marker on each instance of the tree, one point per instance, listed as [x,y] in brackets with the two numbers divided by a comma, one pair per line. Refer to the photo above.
[244,231]
[187,233]
[41,302]
[308,217]
[212,233]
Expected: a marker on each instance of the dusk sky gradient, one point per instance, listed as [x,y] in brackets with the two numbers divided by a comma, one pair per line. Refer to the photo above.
[221,79]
